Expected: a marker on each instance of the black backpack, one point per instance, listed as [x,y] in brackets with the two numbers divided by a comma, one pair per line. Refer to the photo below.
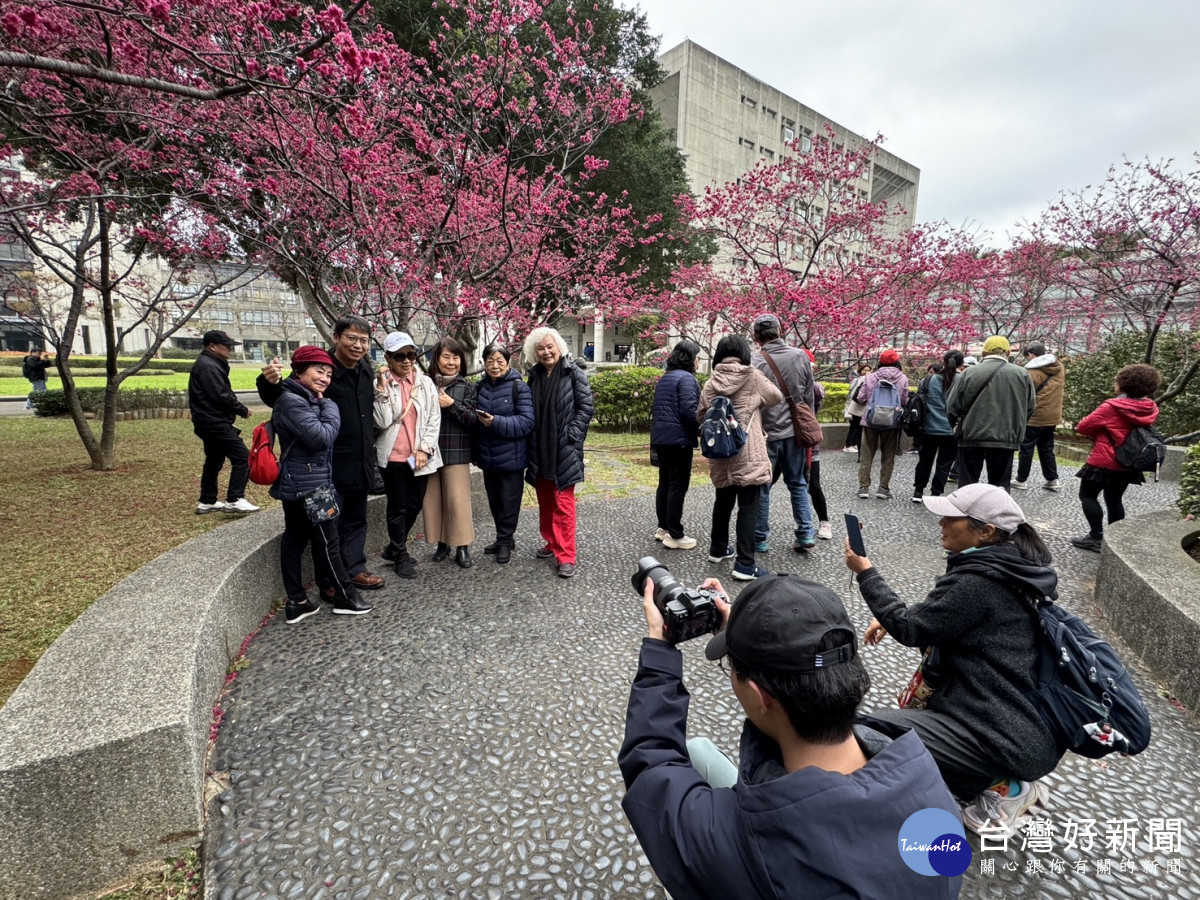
[914,410]
[1144,450]
[1084,694]
[721,434]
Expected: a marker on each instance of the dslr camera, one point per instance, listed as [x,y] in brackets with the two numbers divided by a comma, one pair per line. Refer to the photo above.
[686,614]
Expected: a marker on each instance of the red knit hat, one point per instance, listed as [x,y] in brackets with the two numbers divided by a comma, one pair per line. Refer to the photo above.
[889,357]
[310,354]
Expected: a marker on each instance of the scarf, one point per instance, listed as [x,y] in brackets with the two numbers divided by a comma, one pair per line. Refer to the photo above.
[544,387]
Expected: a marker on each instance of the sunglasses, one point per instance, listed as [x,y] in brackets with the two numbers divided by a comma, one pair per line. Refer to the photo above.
[406,357]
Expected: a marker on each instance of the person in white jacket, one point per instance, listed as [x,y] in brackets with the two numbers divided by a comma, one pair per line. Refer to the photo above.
[406,409]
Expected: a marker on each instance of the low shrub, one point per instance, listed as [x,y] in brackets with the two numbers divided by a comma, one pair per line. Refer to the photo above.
[624,397]
[1189,483]
[54,403]
[165,366]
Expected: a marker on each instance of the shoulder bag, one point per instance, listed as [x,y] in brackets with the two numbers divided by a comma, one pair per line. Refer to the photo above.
[805,427]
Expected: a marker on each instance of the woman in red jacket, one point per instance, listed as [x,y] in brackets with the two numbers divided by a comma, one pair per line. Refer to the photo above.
[1108,426]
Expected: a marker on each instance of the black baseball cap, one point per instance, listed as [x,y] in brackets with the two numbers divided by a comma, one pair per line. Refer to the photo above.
[779,621]
[219,337]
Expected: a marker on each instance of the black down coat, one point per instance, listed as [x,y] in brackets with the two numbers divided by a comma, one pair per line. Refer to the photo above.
[573,408]
[307,428]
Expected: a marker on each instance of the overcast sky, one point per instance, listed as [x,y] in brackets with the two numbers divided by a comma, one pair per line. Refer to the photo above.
[1001,105]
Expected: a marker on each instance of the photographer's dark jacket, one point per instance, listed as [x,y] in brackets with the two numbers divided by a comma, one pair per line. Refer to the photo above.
[775,834]
[502,446]
[307,428]
[211,399]
[353,390]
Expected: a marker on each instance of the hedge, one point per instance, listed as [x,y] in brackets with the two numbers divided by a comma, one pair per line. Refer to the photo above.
[54,403]
[95,362]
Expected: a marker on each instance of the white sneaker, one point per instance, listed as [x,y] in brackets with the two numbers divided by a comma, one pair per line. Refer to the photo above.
[683,543]
[864,494]
[825,531]
[1051,485]
[996,813]
[1020,485]
[205,508]
[241,505]
[660,534]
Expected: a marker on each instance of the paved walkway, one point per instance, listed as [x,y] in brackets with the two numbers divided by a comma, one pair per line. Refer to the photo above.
[461,741]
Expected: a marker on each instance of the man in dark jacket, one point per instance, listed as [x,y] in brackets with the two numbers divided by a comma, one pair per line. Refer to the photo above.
[34,368]
[354,462]
[822,795]
[214,406]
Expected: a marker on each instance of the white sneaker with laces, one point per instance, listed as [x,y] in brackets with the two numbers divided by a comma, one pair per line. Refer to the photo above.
[241,505]
[1051,485]
[660,534]
[205,508]
[1020,485]
[825,531]
[683,543]
[995,813]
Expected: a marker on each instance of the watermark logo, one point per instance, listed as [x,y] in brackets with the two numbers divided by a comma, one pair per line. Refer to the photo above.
[932,842]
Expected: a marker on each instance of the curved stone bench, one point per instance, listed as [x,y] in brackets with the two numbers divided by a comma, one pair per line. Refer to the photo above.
[1149,589]
[103,745]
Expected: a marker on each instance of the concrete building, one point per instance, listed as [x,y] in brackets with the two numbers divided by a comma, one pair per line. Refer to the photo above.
[726,120]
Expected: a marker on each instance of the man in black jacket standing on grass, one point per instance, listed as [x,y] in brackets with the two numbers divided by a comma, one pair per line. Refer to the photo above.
[214,406]
[355,465]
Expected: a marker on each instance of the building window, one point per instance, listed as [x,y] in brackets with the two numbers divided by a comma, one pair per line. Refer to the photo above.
[746,142]
[787,133]
[750,101]
[769,154]
[767,111]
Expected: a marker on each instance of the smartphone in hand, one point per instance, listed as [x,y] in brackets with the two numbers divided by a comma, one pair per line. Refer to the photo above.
[854,532]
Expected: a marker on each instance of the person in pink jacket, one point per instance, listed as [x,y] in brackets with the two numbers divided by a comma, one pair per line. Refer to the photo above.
[1108,426]
[739,478]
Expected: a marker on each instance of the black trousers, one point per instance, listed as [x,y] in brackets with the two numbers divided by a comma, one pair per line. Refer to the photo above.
[352,531]
[405,492]
[298,533]
[504,493]
[999,461]
[221,444]
[1041,437]
[1114,493]
[746,499]
[820,507]
[941,447]
[674,478]
[854,432]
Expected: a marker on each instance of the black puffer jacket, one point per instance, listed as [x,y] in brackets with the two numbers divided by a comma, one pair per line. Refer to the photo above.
[573,409]
[210,396]
[353,390]
[502,446]
[307,428]
[986,638]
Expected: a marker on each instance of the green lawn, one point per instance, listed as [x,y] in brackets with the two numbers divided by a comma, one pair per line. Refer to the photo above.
[68,534]
[242,379]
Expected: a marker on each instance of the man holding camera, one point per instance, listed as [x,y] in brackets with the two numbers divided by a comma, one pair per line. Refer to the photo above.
[820,798]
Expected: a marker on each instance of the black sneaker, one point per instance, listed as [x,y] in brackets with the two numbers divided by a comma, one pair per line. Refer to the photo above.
[1088,542]
[298,612]
[355,606]
[503,554]
[390,553]
[405,567]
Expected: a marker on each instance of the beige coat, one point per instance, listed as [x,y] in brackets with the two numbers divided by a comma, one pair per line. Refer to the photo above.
[748,389]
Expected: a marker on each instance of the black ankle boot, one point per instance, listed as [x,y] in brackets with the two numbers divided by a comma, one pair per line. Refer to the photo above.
[463,558]
[442,551]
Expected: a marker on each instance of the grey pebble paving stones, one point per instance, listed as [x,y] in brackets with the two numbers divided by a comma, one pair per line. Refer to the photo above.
[461,740]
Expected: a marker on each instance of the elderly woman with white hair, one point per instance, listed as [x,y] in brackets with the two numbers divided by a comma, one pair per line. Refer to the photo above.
[562,405]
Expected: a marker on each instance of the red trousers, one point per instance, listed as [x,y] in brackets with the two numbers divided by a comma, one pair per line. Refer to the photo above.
[556,516]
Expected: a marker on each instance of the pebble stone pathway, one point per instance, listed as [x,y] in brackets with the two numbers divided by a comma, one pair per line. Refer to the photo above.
[461,740]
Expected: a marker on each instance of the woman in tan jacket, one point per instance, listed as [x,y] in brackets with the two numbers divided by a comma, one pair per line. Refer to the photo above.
[738,478]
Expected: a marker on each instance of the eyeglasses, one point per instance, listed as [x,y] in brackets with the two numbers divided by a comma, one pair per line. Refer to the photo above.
[354,339]
[406,357]
[724,666]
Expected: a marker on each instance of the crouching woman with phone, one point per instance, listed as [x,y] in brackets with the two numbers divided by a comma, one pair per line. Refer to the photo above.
[408,418]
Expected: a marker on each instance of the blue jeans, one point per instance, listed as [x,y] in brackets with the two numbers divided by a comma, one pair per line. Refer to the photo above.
[38,387]
[787,460]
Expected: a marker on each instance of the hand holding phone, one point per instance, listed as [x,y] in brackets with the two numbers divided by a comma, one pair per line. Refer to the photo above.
[854,533]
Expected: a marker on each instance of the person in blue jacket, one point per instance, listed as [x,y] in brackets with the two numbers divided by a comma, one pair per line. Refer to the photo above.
[307,422]
[816,807]
[673,439]
[504,406]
